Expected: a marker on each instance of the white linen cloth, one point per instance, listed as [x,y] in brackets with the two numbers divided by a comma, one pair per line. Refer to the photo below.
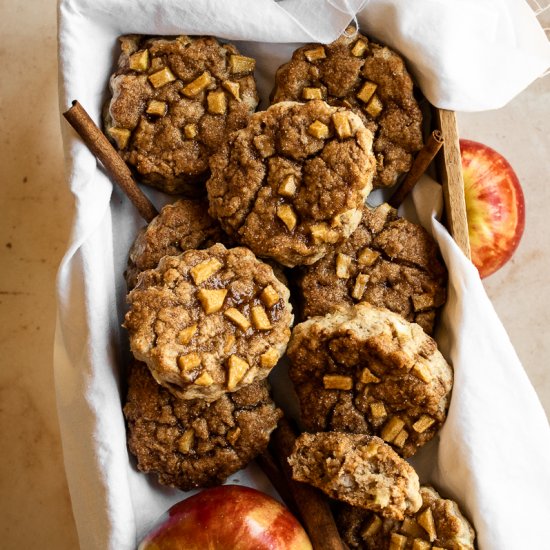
[494,450]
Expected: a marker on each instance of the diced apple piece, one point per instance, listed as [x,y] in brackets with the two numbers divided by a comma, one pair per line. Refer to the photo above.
[185,336]
[343,263]
[337,382]
[269,358]
[260,320]
[185,442]
[237,370]
[234,88]
[198,85]
[157,108]
[359,48]
[139,61]
[211,300]
[360,285]
[374,106]
[120,135]
[241,64]
[204,380]
[312,93]
[203,271]
[269,296]
[319,130]
[237,318]
[287,216]
[189,362]
[161,78]
[315,53]
[367,91]
[392,428]
[190,131]
[217,102]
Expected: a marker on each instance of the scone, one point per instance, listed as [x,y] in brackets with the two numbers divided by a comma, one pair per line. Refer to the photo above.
[360,470]
[388,262]
[193,443]
[438,525]
[366,370]
[292,183]
[209,321]
[173,101]
[180,226]
[372,80]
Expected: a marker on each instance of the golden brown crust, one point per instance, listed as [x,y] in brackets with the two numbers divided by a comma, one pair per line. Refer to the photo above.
[193,443]
[366,370]
[186,321]
[358,469]
[392,263]
[439,523]
[180,226]
[339,71]
[288,186]
[164,119]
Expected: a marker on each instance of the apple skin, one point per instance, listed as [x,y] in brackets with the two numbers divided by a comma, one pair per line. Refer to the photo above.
[230,517]
[495,206]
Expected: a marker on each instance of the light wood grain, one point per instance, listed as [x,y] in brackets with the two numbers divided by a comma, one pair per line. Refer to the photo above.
[450,173]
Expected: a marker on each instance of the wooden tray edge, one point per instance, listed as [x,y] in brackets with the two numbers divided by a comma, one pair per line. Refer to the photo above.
[449,168]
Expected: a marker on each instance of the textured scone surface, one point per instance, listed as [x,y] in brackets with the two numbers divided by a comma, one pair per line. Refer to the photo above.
[366,370]
[173,101]
[370,79]
[292,183]
[360,470]
[388,261]
[193,443]
[439,524]
[209,321]
[180,226]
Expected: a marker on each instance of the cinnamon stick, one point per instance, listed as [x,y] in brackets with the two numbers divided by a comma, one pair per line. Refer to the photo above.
[311,503]
[271,469]
[102,149]
[419,166]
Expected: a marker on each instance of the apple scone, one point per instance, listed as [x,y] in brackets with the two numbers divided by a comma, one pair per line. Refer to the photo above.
[368,78]
[367,370]
[180,226]
[209,321]
[292,183]
[437,525]
[173,101]
[195,443]
[360,470]
[388,261]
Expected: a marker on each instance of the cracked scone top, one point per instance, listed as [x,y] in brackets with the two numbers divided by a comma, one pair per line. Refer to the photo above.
[370,79]
[292,183]
[365,369]
[388,262]
[194,443]
[180,226]
[173,101]
[209,321]
[358,469]
[438,525]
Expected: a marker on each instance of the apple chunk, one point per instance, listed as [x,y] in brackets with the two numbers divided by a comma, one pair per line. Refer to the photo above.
[495,206]
[231,517]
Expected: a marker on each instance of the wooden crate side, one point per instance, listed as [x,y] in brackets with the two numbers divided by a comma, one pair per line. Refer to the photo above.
[450,173]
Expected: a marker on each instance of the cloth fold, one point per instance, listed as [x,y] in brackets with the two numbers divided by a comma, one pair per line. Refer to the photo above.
[494,450]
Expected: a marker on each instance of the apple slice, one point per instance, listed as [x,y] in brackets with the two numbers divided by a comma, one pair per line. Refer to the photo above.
[495,206]
[231,517]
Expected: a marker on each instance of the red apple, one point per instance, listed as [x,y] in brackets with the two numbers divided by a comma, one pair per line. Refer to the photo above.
[231,517]
[494,205]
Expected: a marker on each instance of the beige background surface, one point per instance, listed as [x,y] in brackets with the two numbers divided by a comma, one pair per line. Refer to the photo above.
[35,225]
